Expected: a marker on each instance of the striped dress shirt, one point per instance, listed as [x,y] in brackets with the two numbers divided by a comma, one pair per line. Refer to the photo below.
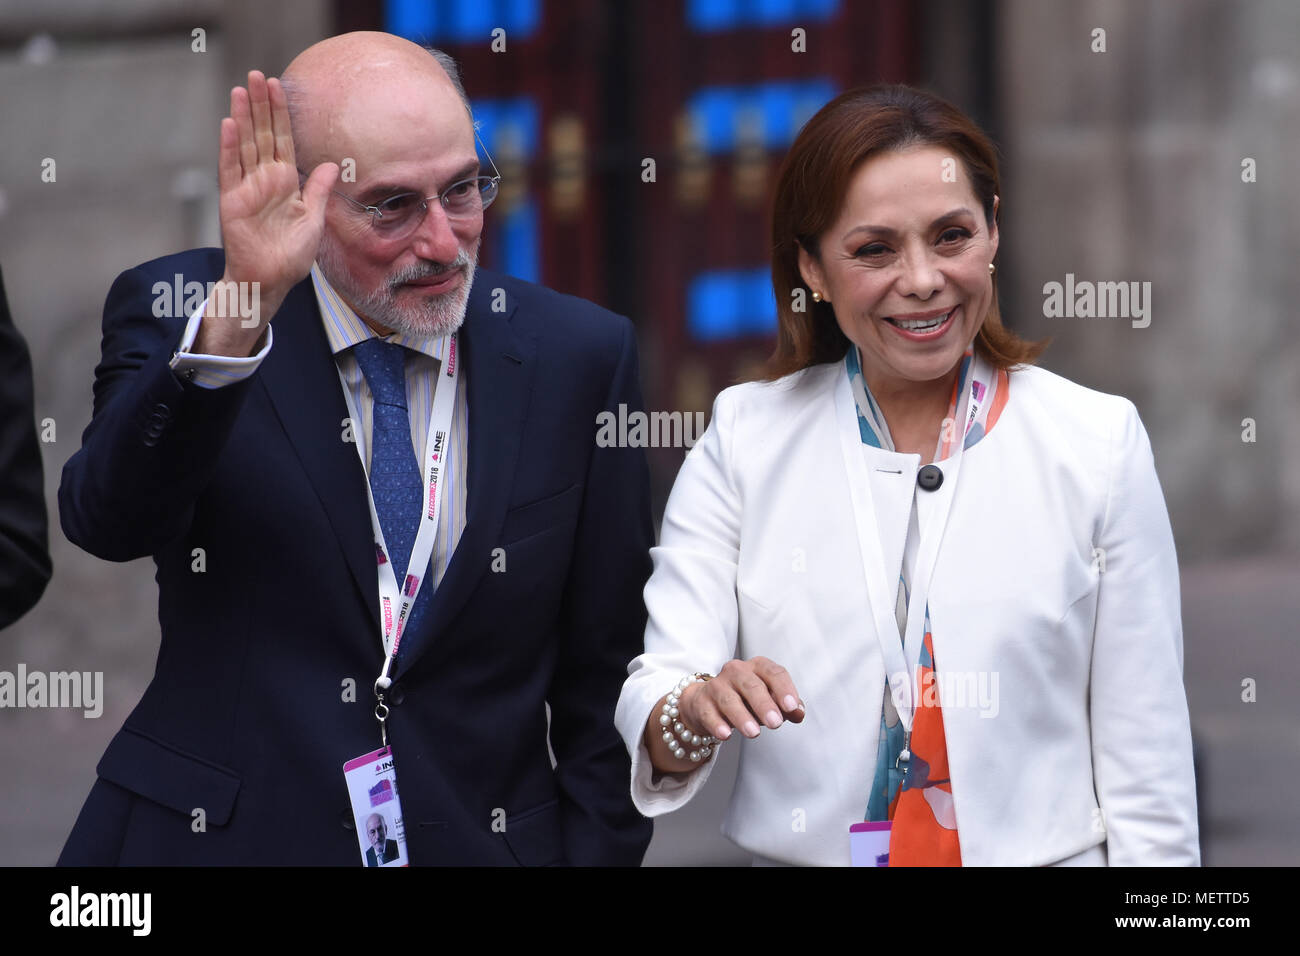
[424,358]
[345,329]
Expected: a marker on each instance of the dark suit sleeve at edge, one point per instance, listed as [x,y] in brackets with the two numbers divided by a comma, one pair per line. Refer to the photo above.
[603,626]
[24,530]
[153,440]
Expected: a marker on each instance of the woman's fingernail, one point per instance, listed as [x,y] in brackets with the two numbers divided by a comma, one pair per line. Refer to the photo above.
[773,719]
[791,703]
[751,728]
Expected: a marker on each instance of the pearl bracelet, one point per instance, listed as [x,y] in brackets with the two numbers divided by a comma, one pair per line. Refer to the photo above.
[674,728]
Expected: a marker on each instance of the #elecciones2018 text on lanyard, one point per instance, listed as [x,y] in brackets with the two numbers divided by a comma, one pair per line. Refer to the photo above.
[372,777]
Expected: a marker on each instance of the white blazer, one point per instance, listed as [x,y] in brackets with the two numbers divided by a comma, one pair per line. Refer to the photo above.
[1056,585]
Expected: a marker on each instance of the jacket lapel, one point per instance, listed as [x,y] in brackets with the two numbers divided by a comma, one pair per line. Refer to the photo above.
[302,380]
[499,368]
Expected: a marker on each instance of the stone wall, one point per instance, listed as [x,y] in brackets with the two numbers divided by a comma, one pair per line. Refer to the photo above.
[1126,165]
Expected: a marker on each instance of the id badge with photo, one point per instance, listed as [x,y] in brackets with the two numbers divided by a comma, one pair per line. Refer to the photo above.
[376,809]
[869,843]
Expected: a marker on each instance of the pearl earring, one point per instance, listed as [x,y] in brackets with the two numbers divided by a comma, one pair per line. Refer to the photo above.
[992,269]
[817,297]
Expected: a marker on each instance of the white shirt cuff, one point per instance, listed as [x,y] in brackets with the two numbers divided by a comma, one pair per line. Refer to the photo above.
[213,371]
[671,791]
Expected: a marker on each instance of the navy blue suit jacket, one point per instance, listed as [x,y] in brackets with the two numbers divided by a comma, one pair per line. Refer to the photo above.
[24,543]
[246,717]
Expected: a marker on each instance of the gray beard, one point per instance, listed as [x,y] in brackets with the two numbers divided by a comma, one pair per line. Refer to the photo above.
[430,318]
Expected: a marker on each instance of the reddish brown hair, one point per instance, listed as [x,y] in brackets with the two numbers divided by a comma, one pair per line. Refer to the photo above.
[810,190]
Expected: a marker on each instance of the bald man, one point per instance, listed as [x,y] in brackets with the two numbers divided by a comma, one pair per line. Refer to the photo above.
[367,473]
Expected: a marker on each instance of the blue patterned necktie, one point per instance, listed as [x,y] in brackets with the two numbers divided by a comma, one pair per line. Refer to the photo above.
[395,481]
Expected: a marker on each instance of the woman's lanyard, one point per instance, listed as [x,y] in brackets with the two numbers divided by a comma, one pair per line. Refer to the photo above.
[395,601]
[901,658]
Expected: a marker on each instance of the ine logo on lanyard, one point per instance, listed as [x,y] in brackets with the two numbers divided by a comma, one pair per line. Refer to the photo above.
[372,778]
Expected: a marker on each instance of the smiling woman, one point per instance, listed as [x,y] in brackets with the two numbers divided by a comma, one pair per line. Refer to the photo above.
[843,540]
[905,270]
[825,187]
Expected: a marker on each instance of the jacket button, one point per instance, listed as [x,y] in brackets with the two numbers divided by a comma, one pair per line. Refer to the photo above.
[396,694]
[163,411]
[930,477]
[345,818]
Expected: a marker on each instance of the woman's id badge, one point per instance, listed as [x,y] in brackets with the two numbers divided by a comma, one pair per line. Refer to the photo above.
[869,843]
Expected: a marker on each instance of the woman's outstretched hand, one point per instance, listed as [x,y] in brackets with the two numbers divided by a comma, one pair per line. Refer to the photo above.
[744,696]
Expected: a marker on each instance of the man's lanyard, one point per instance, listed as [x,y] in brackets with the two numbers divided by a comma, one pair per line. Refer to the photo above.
[395,601]
[882,592]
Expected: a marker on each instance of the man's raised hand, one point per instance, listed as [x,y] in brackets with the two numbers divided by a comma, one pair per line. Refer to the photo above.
[270,229]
